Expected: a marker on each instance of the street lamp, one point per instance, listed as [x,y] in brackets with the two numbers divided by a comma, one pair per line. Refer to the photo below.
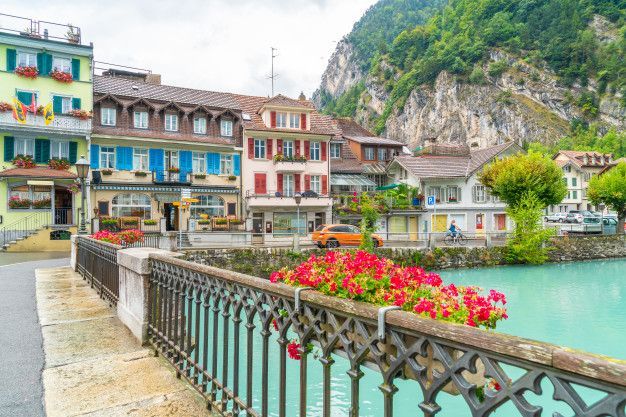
[298,198]
[82,170]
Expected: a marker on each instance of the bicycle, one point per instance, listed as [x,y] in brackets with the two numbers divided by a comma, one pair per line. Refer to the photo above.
[459,239]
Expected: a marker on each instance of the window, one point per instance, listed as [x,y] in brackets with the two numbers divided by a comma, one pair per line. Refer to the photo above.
[26,59]
[335,150]
[171,159]
[107,157]
[61,64]
[66,104]
[567,168]
[108,116]
[288,185]
[24,147]
[140,119]
[574,194]
[59,149]
[294,120]
[479,194]
[382,154]
[316,184]
[281,119]
[289,224]
[315,151]
[454,194]
[226,164]
[259,148]
[288,148]
[207,204]
[131,205]
[171,122]
[198,160]
[369,154]
[199,125]
[226,127]
[437,192]
[574,182]
[25,197]
[140,159]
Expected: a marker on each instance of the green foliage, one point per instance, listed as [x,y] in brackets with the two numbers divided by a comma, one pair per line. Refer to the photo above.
[589,139]
[477,76]
[497,68]
[529,241]
[513,177]
[346,104]
[610,189]
[368,222]
[588,103]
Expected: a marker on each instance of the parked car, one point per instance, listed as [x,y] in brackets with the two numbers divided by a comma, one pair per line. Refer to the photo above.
[335,235]
[555,217]
[574,216]
[609,225]
[588,224]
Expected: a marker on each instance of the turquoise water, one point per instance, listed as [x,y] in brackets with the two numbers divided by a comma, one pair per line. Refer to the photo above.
[579,305]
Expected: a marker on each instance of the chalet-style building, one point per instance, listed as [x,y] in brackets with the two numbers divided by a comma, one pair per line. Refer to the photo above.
[153,143]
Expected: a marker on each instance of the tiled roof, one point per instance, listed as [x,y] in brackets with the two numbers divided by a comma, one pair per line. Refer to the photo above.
[374,140]
[137,89]
[283,101]
[37,172]
[151,134]
[578,158]
[348,163]
[349,127]
[482,156]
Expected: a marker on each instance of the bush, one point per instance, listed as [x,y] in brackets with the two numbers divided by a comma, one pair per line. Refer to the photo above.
[477,76]
[149,222]
[497,68]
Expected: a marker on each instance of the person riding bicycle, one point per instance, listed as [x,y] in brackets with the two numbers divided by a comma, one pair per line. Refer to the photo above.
[454,229]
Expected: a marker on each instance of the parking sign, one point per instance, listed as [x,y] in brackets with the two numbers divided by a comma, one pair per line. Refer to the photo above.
[430,201]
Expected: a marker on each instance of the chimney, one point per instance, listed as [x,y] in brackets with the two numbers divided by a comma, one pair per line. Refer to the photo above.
[302,96]
[153,79]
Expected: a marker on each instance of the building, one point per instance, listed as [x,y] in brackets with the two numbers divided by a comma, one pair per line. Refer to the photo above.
[47,71]
[153,144]
[578,168]
[285,154]
[450,174]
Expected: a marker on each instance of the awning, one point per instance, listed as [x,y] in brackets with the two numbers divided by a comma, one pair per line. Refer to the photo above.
[387,187]
[40,182]
[351,179]
[166,198]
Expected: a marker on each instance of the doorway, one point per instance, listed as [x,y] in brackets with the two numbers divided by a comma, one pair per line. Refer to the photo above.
[63,206]
[170,212]
[257,228]
[480,224]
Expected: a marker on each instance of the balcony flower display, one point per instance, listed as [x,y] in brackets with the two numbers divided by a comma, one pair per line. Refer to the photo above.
[140,174]
[362,276]
[59,164]
[27,72]
[74,187]
[283,158]
[199,176]
[127,237]
[232,177]
[16,202]
[173,170]
[106,172]
[42,204]
[23,161]
[63,77]
[80,114]
[4,106]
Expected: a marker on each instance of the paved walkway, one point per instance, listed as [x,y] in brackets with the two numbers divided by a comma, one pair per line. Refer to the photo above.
[21,351]
[93,365]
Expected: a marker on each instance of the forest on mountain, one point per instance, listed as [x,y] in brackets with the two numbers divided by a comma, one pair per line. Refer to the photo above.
[581,42]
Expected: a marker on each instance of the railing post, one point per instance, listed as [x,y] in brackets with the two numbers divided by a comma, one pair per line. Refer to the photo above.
[73,252]
[134,273]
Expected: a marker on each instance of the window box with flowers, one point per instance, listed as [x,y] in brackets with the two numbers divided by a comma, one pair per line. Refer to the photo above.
[140,174]
[296,158]
[61,164]
[80,114]
[173,170]
[18,203]
[200,176]
[27,72]
[45,203]
[106,171]
[60,76]
[23,161]
[232,178]
[4,106]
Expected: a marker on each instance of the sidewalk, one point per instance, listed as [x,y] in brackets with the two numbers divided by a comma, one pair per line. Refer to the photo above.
[93,365]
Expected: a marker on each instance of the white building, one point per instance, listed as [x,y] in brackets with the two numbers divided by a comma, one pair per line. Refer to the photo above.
[450,173]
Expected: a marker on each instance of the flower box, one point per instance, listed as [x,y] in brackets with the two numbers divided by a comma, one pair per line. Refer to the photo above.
[4,106]
[18,203]
[149,222]
[174,170]
[140,174]
[204,221]
[63,77]
[200,176]
[221,222]
[59,164]
[232,178]
[106,172]
[282,158]
[46,203]
[80,114]
[27,72]
[23,161]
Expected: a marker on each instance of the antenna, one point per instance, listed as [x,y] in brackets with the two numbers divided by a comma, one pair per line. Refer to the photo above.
[273,76]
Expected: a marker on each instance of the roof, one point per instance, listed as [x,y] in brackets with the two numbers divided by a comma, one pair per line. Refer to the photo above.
[284,101]
[137,89]
[441,166]
[374,140]
[351,179]
[349,127]
[348,163]
[578,158]
[37,172]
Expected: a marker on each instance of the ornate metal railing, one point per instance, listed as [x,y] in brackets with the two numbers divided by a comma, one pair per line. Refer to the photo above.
[97,262]
[199,317]
[24,227]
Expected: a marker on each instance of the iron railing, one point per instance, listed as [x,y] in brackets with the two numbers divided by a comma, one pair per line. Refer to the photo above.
[150,240]
[63,216]
[96,261]
[207,322]
[24,227]
[170,177]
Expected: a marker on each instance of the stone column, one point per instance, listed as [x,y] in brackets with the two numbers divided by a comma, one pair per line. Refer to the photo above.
[134,272]
[73,251]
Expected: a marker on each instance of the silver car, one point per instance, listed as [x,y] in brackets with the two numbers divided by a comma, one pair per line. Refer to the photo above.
[555,217]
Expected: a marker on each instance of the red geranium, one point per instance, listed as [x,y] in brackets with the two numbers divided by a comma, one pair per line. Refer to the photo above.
[28,72]
[64,77]
[293,349]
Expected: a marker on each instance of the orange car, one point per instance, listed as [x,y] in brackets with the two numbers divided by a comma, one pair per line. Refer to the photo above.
[335,235]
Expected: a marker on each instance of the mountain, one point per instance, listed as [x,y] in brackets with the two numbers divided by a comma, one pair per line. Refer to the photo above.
[482,72]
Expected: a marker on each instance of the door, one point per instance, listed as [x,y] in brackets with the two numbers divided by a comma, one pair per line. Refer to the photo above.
[257,228]
[170,212]
[440,222]
[480,224]
[500,220]
[63,206]
[413,228]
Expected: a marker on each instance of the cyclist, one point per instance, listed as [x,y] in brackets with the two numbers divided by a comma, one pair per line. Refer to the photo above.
[454,229]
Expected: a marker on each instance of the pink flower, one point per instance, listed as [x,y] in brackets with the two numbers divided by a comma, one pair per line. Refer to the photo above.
[293,350]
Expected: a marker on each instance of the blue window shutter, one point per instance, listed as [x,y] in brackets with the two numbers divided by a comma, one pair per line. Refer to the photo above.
[94,156]
[57,104]
[236,164]
[185,163]
[75,69]
[11,59]
[211,166]
[25,97]
[156,159]
[124,158]
[9,148]
[76,103]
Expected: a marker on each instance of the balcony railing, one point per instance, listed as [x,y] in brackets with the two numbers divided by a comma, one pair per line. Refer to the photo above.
[60,123]
[285,194]
[170,177]
[40,29]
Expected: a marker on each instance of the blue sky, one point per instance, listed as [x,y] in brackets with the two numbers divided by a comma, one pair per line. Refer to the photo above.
[221,45]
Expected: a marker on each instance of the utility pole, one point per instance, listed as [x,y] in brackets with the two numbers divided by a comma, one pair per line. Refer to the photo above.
[272,75]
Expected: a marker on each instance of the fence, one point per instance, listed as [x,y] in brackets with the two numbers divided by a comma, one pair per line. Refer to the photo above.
[97,262]
[207,323]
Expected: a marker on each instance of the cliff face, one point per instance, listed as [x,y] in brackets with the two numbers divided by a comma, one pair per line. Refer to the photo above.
[341,73]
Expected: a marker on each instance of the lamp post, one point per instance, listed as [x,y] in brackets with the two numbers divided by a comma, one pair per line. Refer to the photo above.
[296,241]
[82,170]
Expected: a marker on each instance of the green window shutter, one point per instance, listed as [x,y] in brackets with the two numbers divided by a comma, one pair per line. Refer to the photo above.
[75,69]
[40,62]
[42,151]
[57,104]
[9,148]
[46,64]
[73,152]
[25,97]
[11,59]
[76,103]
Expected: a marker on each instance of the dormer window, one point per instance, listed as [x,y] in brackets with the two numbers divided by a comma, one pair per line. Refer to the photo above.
[171,122]
[140,119]
[294,120]
[199,125]
[281,119]
[108,116]
[226,127]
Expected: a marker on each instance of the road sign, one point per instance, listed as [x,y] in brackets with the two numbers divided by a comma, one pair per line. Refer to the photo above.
[430,201]
[185,193]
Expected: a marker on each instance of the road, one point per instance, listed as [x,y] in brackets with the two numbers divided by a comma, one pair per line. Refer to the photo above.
[21,350]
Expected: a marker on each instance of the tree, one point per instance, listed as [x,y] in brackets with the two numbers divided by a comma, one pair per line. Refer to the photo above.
[368,222]
[609,188]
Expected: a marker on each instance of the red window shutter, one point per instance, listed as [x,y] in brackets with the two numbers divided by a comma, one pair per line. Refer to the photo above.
[323,145]
[272,119]
[260,184]
[279,146]
[307,149]
[324,184]
[297,148]
[307,182]
[279,182]
[269,145]
[250,148]
[303,121]
[296,178]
